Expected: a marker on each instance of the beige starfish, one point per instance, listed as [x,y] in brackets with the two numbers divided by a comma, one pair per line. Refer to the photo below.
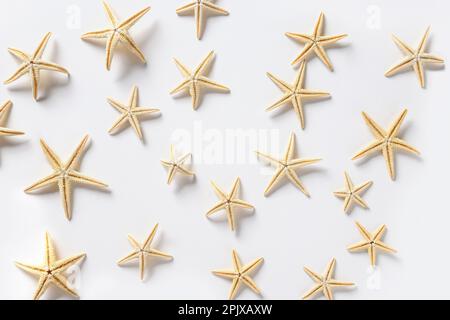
[4,112]
[371,243]
[324,282]
[130,113]
[386,142]
[295,94]
[228,202]
[351,194]
[194,81]
[414,58]
[176,165]
[118,33]
[140,252]
[200,9]
[65,174]
[51,271]
[315,43]
[240,275]
[33,64]
[287,166]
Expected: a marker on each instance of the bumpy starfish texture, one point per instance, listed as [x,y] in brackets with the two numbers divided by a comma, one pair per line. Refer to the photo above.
[295,94]
[4,112]
[33,64]
[228,201]
[372,242]
[414,58]
[240,275]
[315,43]
[325,282]
[130,113]
[51,271]
[386,142]
[65,174]
[287,166]
[175,165]
[141,251]
[118,33]
[352,194]
[200,9]
[194,81]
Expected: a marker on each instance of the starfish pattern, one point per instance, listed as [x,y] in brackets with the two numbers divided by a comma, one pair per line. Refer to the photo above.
[140,252]
[324,282]
[176,165]
[51,271]
[200,9]
[4,112]
[287,166]
[118,33]
[315,43]
[33,64]
[194,81]
[228,201]
[414,58]
[130,113]
[295,94]
[372,242]
[386,142]
[240,275]
[65,174]
[351,193]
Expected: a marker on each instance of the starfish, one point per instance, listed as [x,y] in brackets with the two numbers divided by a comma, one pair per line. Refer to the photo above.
[240,275]
[176,165]
[200,9]
[4,112]
[130,112]
[414,58]
[324,282]
[140,252]
[228,202]
[371,243]
[65,174]
[287,166]
[51,271]
[315,43]
[386,141]
[295,94]
[118,33]
[351,194]
[33,64]
[194,81]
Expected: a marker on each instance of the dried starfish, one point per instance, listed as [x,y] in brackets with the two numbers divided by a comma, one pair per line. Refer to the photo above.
[351,194]
[65,174]
[118,33]
[4,112]
[33,64]
[51,271]
[176,165]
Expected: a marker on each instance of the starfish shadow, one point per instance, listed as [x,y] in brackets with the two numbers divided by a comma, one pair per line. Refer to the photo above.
[183,181]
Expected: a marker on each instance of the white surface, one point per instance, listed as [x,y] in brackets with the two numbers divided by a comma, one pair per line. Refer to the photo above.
[287,229]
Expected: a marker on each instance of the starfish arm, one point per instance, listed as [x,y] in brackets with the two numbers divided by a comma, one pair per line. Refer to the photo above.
[77,153]
[143,110]
[348,181]
[132,45]
[185,171]
[341,194]
[131,21]
[360,201]
[374,146]
[381,245]
[300,79]
[289,153]
[403,46]
[141,266]
[276,177]
[184,158]
[236,261]
[363,231]
[235,188]
[282,101]
[65,191]
[216,9]
[395,127]
[268,158]
[318,27]
[372,255]
[35,76]
[194,91]
[307,49]
[402,65]
[110,14]
[330,269]
[235,284]
[423,42]
[320,52]
[284,86]
[378,234]
[396,142]
[182,86]
[50,179]
[347,203]
[311,293]
[50,256]
[337,283]
[362,187]
[62,265]
[241,203]
[229,274]
[296,163]
[10,132]
[83,179]
[388,154]
[23,69]
[136,125]
[201,68]
[313,275]
[160,254]
[51,66]
[41,287]
[63,284]
[296,181]
[133,242]
[251,266]
[429,58]
[19,54]
[41,47]
[325,40]
[183,69]
[359,246]
[99,34]
[110,46]
[119,122]
[212,84]
[298,107]
[166,163]
[219,206]
[251,284]
[150,237]
[299,37]
[198,16]
[418,68]
[171,175]
[230,218]
[222,195]
[186,8]
[128,258]
[327,293]
[311,94]
[36,270]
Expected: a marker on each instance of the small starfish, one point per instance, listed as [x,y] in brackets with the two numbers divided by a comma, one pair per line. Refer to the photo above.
[33,64]
[194,81]
[142,251]
[371,243]
[315,43]
[176,165]
[386,141]
[325,282]
[118,33]
[130,112]
[295,93]
[4,112]
[351,194]
[51,271]
[287,166]
[64,175]
[228,202]
[240,275]
[414,58]
[199,8]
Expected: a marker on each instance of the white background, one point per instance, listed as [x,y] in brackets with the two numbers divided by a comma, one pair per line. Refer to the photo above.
[287,229]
